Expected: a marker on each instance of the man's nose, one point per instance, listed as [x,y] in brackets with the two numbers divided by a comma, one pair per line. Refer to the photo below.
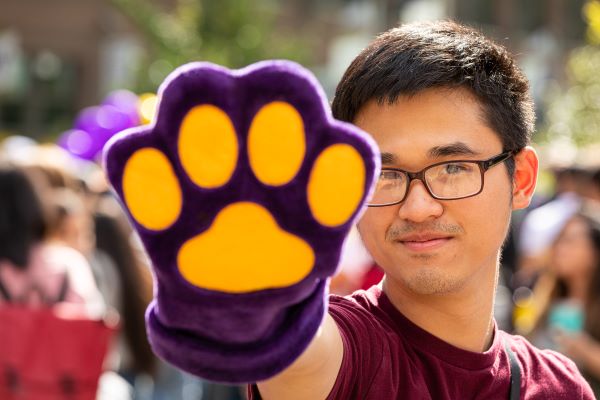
[419,205]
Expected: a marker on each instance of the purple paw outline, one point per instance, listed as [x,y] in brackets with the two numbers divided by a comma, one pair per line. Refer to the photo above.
[242,332]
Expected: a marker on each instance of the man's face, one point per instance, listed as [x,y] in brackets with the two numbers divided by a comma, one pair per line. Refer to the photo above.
[425,245]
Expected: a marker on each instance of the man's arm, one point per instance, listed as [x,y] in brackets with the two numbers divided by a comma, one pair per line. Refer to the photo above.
[313,374]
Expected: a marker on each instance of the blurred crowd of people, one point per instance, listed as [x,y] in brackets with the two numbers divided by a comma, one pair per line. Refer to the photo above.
[58,222]
[58,217]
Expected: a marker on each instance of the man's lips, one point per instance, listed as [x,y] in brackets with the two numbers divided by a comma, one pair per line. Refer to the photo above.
[422,242]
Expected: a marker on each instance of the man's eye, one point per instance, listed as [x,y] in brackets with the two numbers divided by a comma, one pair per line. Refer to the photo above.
[456,168]
[389,180]
[388,175]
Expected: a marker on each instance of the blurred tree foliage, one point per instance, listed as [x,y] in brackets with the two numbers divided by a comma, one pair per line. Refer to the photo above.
[574,111]
[233,33]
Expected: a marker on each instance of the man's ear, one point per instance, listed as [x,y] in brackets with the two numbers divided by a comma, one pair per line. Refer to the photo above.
[525,178]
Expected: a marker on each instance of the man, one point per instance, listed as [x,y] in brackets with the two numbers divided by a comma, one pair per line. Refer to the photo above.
[452,116]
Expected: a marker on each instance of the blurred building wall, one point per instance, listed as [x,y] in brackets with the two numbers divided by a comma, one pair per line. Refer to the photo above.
[70,49]
[74,51]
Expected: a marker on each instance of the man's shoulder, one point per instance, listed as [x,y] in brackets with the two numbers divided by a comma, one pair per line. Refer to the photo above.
[531,356]
[360,298]
[548,369]
[362,305]
[364,322]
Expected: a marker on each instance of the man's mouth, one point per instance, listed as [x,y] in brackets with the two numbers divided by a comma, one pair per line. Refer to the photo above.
[424,242]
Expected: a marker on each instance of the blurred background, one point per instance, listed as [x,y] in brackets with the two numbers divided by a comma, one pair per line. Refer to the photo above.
[60,56]
[75,72]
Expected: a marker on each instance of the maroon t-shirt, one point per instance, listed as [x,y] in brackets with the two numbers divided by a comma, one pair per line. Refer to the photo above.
[386,356]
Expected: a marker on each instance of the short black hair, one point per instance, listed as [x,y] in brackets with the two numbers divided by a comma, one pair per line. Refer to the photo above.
[443,54]
[22,218]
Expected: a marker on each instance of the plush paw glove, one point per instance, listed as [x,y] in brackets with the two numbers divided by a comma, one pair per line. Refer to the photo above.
[242,192]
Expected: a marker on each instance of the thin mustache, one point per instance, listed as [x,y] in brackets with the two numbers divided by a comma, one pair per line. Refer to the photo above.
[395,231]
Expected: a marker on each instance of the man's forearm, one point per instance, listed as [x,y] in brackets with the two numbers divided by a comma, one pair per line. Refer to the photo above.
[314,373]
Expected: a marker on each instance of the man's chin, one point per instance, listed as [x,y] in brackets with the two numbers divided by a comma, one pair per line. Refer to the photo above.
[432,281]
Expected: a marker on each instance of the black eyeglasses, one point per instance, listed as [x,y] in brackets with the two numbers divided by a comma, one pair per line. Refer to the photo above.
[448,180]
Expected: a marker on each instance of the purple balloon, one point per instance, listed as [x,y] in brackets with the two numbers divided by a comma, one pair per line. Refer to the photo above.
[126,102]
[78,143]
[94,126]
[99,123]
[112,119]
[86,119]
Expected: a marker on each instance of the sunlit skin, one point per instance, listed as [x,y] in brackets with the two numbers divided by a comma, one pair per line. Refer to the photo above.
[440,256]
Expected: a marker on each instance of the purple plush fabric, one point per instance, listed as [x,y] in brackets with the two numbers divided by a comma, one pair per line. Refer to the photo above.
[248,336]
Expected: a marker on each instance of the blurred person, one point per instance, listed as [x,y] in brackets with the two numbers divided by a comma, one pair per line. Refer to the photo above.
[124,284]
[569,296]
[67,205]
[540,226]
[573,179]
[535,231]
[53,332]
[127,285]
[50,177]
[17,148]
[71,223]
[52,164]
[31,267]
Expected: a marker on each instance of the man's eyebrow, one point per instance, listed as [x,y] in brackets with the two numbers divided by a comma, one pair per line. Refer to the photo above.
[388,159]
[452,149]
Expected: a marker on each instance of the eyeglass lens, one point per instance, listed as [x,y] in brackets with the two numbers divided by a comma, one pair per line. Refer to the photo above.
[448,181]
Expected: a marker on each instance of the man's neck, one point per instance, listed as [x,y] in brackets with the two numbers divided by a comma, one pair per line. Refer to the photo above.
[463,319]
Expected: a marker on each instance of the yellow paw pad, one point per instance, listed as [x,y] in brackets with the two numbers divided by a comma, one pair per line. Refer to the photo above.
[154,206]
[208,146]
[336,184]
[276,143]
[245,250]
